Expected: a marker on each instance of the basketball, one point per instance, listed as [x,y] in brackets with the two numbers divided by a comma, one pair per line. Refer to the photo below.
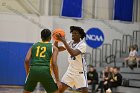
[58,31]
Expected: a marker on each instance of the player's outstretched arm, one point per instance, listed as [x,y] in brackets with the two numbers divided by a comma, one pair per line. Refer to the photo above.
[27,61]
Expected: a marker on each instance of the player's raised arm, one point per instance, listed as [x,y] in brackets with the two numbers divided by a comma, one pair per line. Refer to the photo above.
[27,61]
[73,52]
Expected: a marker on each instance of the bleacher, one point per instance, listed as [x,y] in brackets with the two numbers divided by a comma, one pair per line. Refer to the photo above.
[113,55]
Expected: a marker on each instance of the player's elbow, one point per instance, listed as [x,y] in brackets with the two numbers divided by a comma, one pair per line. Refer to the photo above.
[73,54]
[27,60]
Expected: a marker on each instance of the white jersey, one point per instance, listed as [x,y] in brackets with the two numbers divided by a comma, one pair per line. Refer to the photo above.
[133,53]
[77,63]
[76,74]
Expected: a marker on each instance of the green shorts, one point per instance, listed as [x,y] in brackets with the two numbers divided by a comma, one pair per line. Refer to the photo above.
[40,74]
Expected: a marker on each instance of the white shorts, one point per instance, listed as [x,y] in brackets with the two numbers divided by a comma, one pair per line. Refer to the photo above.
[78,80]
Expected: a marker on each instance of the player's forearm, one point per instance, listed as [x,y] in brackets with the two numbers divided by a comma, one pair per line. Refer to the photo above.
[56,72]
[27,68]
[60,48]
[27,60]
[70,50]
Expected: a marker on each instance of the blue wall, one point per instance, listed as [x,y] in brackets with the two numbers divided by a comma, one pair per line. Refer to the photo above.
[72,8]
[12,55]
[123,10]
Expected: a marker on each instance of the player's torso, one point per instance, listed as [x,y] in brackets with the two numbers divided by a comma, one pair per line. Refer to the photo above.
[76,63]
[133,53]
[41,54]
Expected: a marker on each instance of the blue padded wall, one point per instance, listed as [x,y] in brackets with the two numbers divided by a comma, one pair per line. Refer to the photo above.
[12,55]
[72,8]
[123,10]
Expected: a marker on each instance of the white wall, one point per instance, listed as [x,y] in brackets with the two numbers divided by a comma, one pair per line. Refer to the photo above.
[106,26]
[19,29]
[15,28]
[104,9]
[88,8]
[138,13]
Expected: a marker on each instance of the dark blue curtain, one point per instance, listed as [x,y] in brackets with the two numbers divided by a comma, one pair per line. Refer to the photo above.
[123,10]
[72,8]
[12,55]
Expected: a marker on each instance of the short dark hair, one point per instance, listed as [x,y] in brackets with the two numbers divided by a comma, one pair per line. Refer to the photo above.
[91,66]
[132,46]
[45,34]
[136,47]
[79,29]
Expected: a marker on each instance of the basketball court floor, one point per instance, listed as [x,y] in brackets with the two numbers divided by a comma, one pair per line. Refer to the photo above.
[4,89]
[13,89]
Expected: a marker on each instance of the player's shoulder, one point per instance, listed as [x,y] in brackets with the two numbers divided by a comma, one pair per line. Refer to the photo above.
[82,43]
[34,44]
[135,51]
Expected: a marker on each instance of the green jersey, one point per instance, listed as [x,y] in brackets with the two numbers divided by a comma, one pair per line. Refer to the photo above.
[40,68]
[41,54]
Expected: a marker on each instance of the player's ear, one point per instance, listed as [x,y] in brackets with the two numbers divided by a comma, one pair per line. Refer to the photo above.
[50,38]
[80,35]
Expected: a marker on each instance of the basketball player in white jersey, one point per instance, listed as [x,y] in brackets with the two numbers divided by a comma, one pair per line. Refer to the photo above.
[76,74]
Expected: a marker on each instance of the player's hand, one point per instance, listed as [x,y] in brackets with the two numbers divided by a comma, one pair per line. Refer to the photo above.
[56,43]
[59,37]
[59,85]
[105,82]
[112,80]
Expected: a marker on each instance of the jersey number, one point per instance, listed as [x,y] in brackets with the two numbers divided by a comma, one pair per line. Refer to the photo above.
[41,53]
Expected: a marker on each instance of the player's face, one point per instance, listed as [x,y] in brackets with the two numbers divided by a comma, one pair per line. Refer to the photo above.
[75,35]
[115,71]
[106,69]
[131,49]
[91,69]
[111,69]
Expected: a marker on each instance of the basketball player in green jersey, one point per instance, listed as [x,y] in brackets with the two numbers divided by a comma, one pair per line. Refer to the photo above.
[37,64]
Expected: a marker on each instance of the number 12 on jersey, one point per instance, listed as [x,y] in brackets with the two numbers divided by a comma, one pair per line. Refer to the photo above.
[40,51]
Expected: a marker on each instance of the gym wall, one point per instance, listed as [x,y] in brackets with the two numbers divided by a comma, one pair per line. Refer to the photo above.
[17,34]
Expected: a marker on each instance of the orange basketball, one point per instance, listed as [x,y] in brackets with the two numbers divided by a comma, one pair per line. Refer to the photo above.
[58,31]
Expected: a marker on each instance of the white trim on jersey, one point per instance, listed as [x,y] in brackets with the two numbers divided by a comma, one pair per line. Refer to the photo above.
[52,48]
[84,70]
